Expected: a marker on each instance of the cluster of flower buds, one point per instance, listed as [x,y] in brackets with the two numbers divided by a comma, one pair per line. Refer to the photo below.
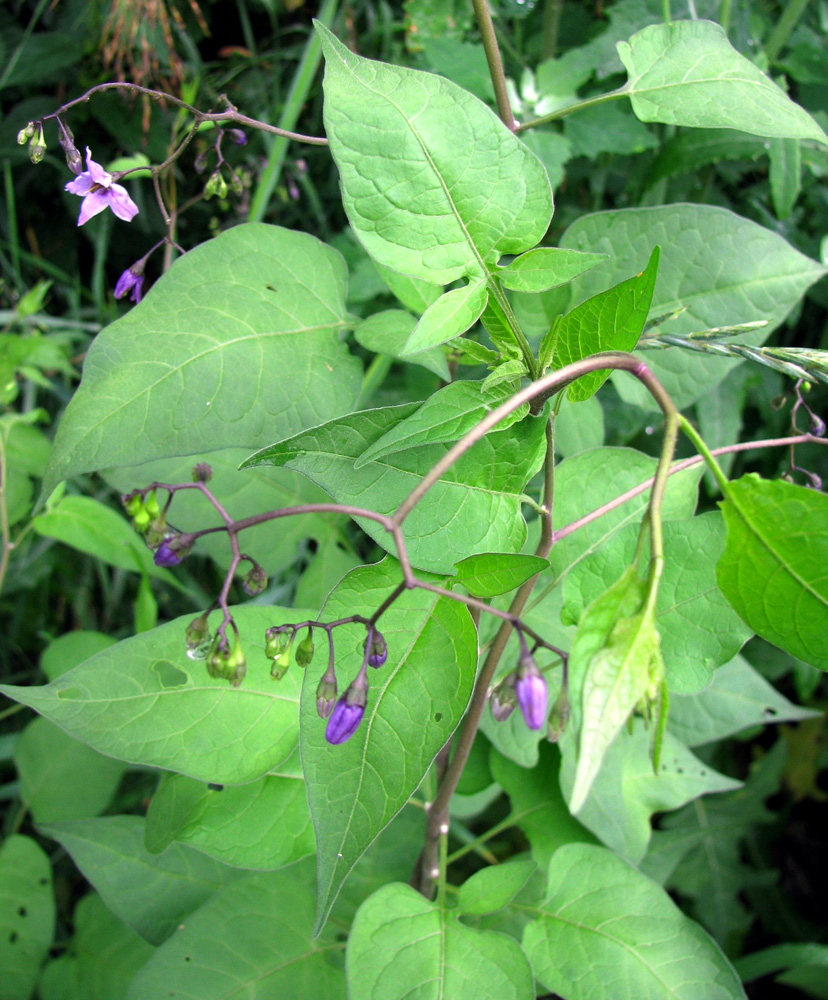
[33,135]
[170,547]
[226,663]
[278,642]
[526,688]
[345,715]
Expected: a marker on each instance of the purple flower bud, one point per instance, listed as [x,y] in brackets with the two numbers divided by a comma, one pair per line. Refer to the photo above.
[503,700]
[166,556]
[132,280]
[237,136]
[202,473]
[326,694]
[817,427]
[344,721]
[532,697]
[378,653]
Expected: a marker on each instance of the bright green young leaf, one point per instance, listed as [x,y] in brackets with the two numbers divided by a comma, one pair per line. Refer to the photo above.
[387,332]
[172,376]
[151,893]
[145,702]
[783,957]
[72,648]
[102,959]
[785,175]
[757,275]
[610,321]
[537,805]
[605,930]
[252,939]
[433,183]
[495,887]
[331,561]
[414,293]
[579,427]
[494,573]
[774,569]
[61,778]
[626,792]
[449,317]
[475,507]
[443,418]
[507,375]
[546,267]
[739,697]
[90,526]
[698,628]
[688,73]
[27,915]
[265,825]
[414,704]
[242,495]
[403,945]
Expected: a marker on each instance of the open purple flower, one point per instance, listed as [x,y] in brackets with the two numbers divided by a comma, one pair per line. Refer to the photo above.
[99,191]
[130,281]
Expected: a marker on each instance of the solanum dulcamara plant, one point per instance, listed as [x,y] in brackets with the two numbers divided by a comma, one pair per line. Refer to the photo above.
[533,619]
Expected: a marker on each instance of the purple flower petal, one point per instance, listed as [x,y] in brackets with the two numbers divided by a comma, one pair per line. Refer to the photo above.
[82,184]
[121,204]
[164,556]
[532,697]
[343,722]
[96,171]
[129,282]
[94,203]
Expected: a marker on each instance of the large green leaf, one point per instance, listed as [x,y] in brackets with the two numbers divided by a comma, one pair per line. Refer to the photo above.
[145,702]
[774,569]
[688,73]
[433,183]
[173,376]
[252,939]
[605,930]
[151,893]
[264,825]
[475,507]
[699,630]
[724,269]
[402,945]
[27,915]
[609,321]
[414,704]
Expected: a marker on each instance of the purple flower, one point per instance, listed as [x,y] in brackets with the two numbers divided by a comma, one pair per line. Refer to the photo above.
[166,556]
[98,191]
[344,721]
[378,650]
[130,281]
[532,697]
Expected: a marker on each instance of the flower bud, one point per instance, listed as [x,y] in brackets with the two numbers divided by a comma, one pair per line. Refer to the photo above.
[211,186]
[141,521]
[326,693]
[238,137]
[348,711]
[197,631]
[37,145]
[530,688]
[200,162]
[151,504]
[277,641]
[131,281]
[817,427]
[133,504]
[304,651]
[255,581]
[202,473]
[227,664]
[25,134]
[171,551]
[236,184]
[279,667]
[503,699]
[156,532]
[558,717]
[378,653]
[67,144]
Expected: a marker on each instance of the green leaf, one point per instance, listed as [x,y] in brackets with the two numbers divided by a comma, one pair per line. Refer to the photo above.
[698,628]
[507,374]
[72,648]
[480,495]
[757,275]
[150,893]
[330,563]
[90,526]
[60,778]
[739,697]
[610,128]
[145,702]
[242,495]
[688,73]
[433,183]
[783,957]
[402,944]
[414,293]
[172,376]
[605,930]
[253,938]
[27,915]
[689,151]
[264,825]
[493,888]
[449,317]
[103,957]
[546,267]
[415,702]
[773,568]
[626,791]
[610,321]
[493,573]
[785,171]
[443,418]
[386,333]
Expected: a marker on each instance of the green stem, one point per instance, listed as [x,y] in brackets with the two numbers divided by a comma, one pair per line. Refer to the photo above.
[589,102]
[503,301]
[373,378]
[551,27]
[777,39]
[705,452]
[14,239]
[665,11]
[298,94]
[490,47]
[724,15]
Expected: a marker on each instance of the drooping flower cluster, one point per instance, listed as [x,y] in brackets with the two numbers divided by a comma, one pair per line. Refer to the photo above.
[170,547]
[526,688]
